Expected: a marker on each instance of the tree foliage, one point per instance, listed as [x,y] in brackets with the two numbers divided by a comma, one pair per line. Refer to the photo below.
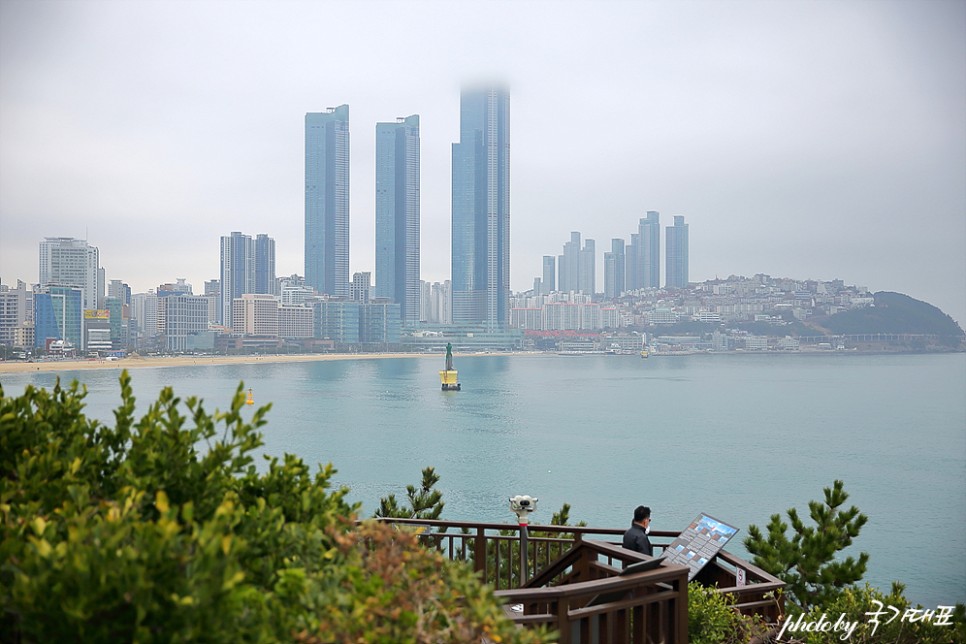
[713,618]
[896,313]
[161,528]
[806,561]
[425,502]
[856,602]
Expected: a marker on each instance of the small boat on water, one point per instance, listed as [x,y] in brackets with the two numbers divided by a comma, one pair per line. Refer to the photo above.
[449,377]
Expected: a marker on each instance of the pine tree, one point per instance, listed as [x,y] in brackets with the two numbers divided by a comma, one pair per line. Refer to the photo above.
[807,562]
[424,503]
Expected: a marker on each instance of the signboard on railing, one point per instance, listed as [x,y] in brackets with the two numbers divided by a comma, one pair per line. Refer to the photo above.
[699,543]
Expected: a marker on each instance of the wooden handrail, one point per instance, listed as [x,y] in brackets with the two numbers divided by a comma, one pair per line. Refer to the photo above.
[578,587]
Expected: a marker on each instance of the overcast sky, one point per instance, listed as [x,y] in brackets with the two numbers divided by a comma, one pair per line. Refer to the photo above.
[814,140]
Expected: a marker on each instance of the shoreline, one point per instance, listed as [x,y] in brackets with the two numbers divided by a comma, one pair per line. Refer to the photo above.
[141,362]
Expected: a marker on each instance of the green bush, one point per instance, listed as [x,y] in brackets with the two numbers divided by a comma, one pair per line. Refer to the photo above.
[713,618]
[161,528]
[855,602]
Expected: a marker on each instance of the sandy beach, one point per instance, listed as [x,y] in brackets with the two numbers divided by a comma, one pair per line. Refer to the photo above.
[139,362]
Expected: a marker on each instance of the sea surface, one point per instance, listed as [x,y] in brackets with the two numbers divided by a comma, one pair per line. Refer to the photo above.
[740,437]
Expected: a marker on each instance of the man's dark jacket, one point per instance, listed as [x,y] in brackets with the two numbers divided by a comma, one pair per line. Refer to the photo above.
[636,539]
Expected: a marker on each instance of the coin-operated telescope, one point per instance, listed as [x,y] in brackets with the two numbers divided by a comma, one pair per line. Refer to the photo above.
[522,505]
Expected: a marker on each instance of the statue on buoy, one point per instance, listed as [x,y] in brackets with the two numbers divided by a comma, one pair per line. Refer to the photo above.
[449,377]
[251,398]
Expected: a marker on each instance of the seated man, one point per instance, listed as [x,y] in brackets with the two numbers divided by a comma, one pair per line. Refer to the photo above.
[636,536]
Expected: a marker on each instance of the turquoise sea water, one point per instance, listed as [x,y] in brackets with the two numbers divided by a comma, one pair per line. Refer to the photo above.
[738,437]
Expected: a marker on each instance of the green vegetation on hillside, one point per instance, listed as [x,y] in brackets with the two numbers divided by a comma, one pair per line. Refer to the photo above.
[895,313]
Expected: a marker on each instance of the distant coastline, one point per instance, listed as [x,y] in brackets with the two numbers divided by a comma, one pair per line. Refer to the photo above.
[143,362]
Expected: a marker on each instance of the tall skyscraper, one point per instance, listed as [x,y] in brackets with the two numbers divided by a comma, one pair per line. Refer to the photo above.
[327,200]
[549,284]
[632,276]
[568,267]
[481,210]
[587,273]
[614,269]
[676,251]
[265,265]
[65,261]
[649,253]
[397,215]
[237,272]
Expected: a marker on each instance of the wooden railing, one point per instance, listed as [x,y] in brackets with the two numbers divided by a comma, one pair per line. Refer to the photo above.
[588,600]
[573,580]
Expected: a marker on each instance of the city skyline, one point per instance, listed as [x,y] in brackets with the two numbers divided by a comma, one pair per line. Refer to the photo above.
[845,159]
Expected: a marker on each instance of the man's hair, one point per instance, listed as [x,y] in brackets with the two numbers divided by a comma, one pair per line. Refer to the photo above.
[641,512]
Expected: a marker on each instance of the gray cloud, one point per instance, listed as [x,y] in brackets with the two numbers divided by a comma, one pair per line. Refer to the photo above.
[812,140]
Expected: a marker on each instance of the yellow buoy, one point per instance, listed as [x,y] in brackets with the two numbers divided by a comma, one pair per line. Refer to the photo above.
[449,377]
[251,398]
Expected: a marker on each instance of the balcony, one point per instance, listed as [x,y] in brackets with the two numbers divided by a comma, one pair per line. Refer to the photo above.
[574,580]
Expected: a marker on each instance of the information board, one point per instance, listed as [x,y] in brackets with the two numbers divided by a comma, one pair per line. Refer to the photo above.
[699,543]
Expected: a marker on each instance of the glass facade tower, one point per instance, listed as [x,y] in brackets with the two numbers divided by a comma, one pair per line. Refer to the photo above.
[65,261]
[649,254]
[481,210]
[237,272]
[676,252]
[614,269]
[397,215]
[327,200]
[265,265]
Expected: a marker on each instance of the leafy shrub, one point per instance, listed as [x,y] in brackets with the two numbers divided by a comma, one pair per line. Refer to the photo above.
[161,528]
[855,602]
[713,618]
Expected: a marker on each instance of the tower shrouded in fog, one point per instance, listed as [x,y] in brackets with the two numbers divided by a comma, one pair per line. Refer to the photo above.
[481,210]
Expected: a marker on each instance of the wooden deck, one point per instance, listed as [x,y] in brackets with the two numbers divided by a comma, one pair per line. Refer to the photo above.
[573,581]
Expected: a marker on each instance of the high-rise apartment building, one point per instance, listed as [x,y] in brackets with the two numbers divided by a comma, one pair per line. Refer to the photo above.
[676,252]
[16,315]
[360,289]
[481,210]
[587,272]
[568,265]
[436,302]
[237,272]
[614,269]
[265,265]
[632,278]
[255,314]
[397,215]
[247,266]
[649,253]
[184,315]
[327,200]
[65,261]
[548,283]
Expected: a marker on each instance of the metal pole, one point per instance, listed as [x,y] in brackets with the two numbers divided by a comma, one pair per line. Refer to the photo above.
[524,573]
